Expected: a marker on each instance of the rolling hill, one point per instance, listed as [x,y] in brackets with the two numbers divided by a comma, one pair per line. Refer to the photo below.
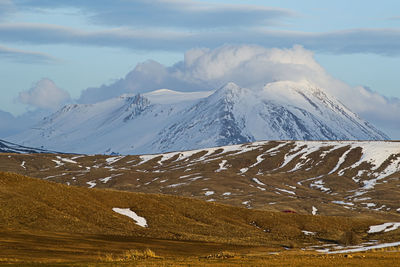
[321,177]
[41,219]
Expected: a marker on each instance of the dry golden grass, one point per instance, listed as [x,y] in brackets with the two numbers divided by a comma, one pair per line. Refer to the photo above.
[191,177]
[370,259]
[130,255]
[49,222]
[32,204]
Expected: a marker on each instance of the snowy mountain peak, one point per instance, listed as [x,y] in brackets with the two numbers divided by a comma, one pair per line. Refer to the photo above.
[229,88]
[166,120]
[230,92]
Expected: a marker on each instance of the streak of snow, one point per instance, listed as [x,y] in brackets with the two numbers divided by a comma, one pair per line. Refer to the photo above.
[146,158]
[23,165]
[286,191]
[91,184]
[314,210]
[186,176]
[386,227]
[222,166]
[294,152]
[369,205]
[209,193]
[112,160]
[67,160]
[276,148]
[257,181]
[308,232]
[141,221]
[340,202]
[362,199]
[384,245]
[320,185]
[243,170]
[340,162]
[59,163]
[196,178]
[106,179]
[309,179]
[174,185]
[77,157]
[259,160]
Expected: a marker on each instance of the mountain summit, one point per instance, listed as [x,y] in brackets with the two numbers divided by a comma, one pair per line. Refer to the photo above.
[230,115]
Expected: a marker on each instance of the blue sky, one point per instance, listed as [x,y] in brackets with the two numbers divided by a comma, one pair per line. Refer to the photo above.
[81,44]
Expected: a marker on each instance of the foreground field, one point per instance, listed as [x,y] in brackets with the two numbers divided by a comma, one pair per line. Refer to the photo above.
[56,249]
[295,258]
[45,223]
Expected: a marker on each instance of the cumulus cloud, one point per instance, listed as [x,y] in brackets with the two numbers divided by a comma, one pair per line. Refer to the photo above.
[168,13]
[23,56]
[251,67]
[206,69]
[44,95]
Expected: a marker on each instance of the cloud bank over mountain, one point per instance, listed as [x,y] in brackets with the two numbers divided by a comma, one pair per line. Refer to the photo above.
[251,67]
[45,94]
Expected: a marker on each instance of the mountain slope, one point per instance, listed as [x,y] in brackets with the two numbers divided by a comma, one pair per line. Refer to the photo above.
[8,147]
[170,121]
[323,177]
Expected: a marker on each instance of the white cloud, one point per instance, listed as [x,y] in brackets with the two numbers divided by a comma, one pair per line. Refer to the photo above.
[44,95]
[205,69]
[251,67]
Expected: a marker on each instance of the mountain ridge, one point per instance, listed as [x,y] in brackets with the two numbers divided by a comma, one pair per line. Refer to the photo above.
[155,123]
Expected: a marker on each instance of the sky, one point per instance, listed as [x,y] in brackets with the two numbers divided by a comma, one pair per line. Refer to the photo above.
[51,52]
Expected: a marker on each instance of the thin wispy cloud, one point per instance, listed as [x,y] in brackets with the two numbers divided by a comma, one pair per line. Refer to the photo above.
[168,13]
[378,41]
[6,8]
[23,56]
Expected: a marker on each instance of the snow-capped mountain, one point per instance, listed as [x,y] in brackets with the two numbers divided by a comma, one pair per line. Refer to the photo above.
[166,120]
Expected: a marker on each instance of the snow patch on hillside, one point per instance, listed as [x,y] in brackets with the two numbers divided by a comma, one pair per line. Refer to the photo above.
[141,221]
[386,227]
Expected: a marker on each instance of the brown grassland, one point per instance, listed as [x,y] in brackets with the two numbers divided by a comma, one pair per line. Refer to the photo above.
[44,223]
[305,182]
